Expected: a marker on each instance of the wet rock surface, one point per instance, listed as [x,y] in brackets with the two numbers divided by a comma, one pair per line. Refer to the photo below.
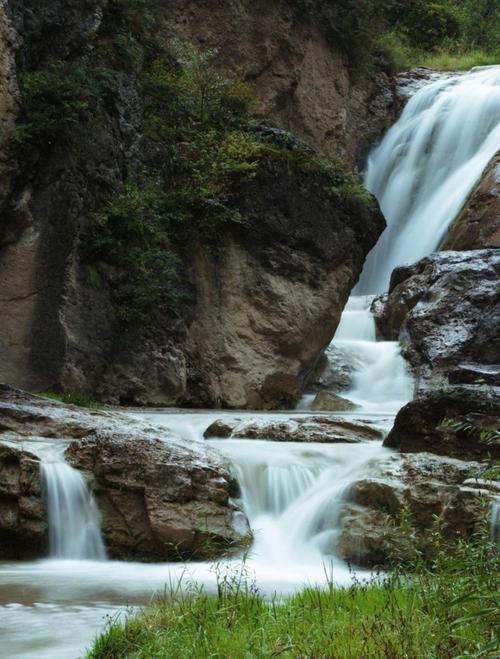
[445,309]
[395,517]
[316,429]
[328,402]
[456,420]
[160,498]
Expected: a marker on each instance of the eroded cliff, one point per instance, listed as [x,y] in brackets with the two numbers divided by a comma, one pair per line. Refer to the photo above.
[107,287]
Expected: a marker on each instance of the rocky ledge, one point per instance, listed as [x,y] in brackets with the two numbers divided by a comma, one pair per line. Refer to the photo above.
[160,498]
[316,429]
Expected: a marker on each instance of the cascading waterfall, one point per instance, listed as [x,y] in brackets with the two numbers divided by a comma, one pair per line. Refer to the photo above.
[381,382]
[74,520]
[421,173]
[427,165]
[294,495]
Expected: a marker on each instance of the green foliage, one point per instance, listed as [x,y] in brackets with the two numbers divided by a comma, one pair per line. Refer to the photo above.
[486,435]
[56,100]
[129,245]
[447,609]
[200,118]
[127,25]
[448,34]
[79,400]
[354,25]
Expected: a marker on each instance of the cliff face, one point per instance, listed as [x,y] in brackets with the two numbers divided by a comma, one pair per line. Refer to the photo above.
[255,306]
[302,78]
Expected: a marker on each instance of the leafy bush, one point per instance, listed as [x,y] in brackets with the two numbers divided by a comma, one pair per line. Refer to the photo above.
[57,99]
[129,245]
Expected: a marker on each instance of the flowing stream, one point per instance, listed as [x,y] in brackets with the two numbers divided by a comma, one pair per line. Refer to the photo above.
[74,520]
[293,493]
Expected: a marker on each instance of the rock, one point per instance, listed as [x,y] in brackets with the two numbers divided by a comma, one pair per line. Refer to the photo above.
[335,370]
[256,306]
[445,310]
[475,374]
[394,517]
[328,402]
[449,422]
[478,224]
[218,429]
[160,497]
[23,526]
[319,429]
[300,75]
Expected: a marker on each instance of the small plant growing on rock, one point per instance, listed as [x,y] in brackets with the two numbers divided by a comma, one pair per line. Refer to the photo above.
[56,100]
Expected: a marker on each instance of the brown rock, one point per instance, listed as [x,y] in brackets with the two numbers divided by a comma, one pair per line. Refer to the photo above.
[254,314]
[328,402]
[160,499]
[478,224]
[23,527]
[392,518]
[319,429]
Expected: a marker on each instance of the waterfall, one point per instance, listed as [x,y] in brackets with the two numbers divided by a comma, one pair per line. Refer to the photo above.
[294,495]
[74,520]
[427,165]
[422,174]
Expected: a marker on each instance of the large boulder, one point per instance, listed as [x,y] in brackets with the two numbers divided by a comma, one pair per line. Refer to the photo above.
[416,503]
[445,309]
[457,420]
[160,498]
[257,304]
[478,224]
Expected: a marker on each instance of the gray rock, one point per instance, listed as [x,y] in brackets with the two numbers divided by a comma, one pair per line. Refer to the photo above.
[318,429]
[446,311]
[452,421]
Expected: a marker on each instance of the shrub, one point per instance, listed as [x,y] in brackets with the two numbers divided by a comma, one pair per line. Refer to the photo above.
[129,244]
[57,99]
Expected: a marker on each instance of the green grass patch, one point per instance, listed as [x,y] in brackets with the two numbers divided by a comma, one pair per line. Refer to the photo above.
[71,399]
[446,61]
[448,609]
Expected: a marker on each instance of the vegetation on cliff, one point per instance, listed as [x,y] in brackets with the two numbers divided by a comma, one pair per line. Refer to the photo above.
[447,609]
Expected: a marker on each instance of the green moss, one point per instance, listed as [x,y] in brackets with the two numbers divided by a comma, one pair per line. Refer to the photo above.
[79,400]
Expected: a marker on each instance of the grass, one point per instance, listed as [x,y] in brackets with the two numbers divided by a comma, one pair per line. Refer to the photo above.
[449,609]
[71,399]
[446,61]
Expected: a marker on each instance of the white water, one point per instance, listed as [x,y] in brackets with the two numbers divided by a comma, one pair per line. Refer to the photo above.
[381,382]
[73,516]
[427,165]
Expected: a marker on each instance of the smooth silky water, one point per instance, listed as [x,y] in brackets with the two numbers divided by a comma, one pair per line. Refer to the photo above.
[422,172]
